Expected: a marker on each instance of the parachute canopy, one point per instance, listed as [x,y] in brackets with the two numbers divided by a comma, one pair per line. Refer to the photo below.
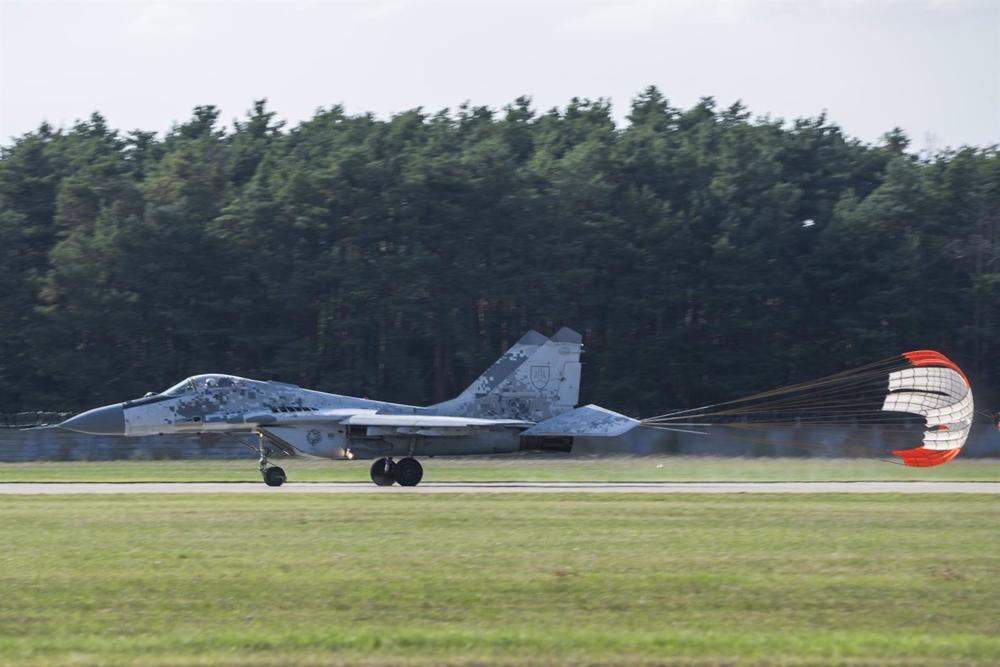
[938,390]
[921,398]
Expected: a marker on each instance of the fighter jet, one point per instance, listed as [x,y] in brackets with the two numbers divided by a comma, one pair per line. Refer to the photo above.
[525,401]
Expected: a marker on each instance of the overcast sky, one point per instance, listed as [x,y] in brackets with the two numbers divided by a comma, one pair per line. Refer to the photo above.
[931,67]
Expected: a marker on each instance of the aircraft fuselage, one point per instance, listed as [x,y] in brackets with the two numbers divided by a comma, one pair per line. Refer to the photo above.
[295,420]
[526,400]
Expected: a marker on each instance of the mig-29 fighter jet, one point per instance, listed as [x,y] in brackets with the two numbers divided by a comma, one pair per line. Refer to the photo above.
[525,401]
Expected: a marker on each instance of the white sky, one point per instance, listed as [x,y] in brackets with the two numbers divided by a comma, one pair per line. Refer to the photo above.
[931,67]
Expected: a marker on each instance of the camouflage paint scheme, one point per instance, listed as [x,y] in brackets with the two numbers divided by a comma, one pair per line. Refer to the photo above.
[525,400]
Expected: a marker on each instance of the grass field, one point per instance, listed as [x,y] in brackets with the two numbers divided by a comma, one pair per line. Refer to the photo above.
[484,579]
[618,469]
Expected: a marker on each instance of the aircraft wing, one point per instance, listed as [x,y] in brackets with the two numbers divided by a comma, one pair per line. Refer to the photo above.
[433,421]
[428,425]
[302,434]
[386,424]
[589,420]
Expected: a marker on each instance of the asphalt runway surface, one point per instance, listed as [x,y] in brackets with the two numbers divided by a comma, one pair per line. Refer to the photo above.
[62,488]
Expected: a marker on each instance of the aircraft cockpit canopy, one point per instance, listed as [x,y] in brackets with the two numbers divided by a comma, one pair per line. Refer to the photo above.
[199,382]
[183,387]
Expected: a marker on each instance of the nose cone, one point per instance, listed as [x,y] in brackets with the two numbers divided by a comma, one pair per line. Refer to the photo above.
[109,420]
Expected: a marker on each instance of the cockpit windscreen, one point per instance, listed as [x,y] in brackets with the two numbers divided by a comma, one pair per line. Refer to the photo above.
[183,387]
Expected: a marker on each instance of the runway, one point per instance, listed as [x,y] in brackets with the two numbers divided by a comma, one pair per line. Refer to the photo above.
[500,487]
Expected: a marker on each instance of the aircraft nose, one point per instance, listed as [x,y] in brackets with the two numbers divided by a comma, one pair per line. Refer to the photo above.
[108,420]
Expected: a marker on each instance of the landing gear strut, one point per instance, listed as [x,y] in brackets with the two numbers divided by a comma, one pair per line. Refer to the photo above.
[408,472]
[273,475]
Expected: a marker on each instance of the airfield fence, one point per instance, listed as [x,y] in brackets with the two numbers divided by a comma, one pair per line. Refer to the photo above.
[52,444]
[28,436]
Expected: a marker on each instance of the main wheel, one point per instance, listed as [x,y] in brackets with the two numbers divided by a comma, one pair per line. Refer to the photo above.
[274,476]
[382,472]
[409,472]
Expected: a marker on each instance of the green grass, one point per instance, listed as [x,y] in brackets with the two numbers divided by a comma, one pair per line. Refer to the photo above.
[499,579]
[618,469]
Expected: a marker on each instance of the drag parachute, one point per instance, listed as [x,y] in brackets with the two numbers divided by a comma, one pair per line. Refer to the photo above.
[920,398]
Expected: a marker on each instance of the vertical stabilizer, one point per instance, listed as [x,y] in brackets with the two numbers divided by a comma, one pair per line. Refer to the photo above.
[535,379]
[503,367]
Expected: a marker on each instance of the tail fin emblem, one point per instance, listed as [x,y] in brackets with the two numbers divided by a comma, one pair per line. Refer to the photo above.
[540,377]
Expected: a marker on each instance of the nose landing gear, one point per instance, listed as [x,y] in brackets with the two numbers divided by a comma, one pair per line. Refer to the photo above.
[408,472]
[272,475]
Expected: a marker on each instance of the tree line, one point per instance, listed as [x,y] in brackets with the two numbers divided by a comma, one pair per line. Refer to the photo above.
[703,253]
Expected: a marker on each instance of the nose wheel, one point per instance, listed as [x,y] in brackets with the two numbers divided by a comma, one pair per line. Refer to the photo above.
[407,472]
[272,475]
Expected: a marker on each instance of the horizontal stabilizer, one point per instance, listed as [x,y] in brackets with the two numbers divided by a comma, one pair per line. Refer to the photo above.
[590,420]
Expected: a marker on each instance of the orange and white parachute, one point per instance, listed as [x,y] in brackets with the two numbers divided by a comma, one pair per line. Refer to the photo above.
[938,390]
[921,398]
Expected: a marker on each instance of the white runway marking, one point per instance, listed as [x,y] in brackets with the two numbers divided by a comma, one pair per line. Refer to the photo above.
[502,487]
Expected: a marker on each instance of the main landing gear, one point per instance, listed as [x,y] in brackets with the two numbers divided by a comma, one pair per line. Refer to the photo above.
[383,472]
[408,472]
[272,474]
